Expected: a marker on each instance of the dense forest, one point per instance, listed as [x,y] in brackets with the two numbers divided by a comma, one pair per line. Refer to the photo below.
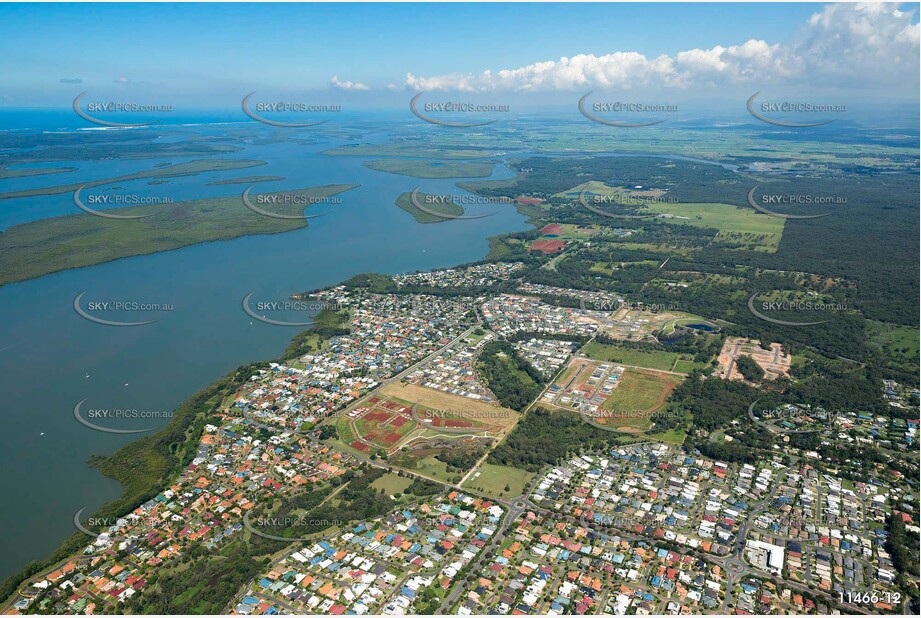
[460,459]
[874,280]
[544,437]
[749,369]
[513,380]
[903,546]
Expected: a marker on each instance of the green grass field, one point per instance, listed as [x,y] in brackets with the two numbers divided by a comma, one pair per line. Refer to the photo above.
[663,249]
[608,268]
[605,268]
[392,484]
[743,228]
[670,436]
[312,342]
[640,392]
[421,168]
[653,359]
[346,435]
[592,187]
[567,374]
[899,343]
[687,366]
[493,480]
[429,466]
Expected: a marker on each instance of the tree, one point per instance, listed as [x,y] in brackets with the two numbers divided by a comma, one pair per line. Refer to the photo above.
[749,369]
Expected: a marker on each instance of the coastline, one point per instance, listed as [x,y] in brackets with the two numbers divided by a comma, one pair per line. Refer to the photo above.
[95,240]
[191,411]
[168,447]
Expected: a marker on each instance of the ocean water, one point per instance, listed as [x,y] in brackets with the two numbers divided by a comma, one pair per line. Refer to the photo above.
[50,358]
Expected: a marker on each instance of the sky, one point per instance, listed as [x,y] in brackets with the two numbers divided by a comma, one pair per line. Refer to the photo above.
[212,54]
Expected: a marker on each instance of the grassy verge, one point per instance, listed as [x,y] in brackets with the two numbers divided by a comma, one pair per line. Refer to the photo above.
[501,481]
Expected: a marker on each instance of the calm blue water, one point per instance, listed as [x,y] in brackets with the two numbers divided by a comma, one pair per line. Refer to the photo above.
[705,327]
[47,351]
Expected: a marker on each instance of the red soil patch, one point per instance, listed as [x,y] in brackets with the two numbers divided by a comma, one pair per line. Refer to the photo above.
[548,246]
[359,446]
[379,417]
[440,422]
[529,201]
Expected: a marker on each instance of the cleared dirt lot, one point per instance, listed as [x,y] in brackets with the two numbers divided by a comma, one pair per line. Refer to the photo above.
[494,418]
[774,362]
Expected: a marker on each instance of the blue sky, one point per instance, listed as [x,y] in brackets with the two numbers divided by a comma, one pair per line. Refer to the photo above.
[200,53]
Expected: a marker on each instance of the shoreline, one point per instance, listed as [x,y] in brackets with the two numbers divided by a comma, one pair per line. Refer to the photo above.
[70,545]
[190,415]
[179,225]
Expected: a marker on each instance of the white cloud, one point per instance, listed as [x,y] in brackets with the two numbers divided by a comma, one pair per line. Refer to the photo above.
[872,42]
[843,45]
[122,80]
[347,85]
